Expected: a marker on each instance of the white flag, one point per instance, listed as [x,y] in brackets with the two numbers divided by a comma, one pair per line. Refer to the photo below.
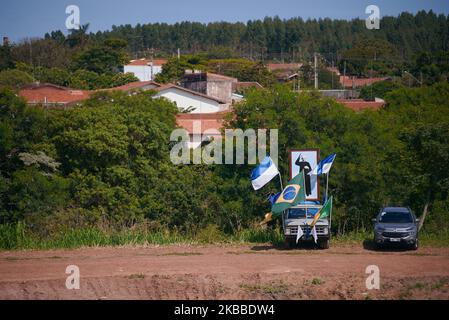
[314,234]
[299,234]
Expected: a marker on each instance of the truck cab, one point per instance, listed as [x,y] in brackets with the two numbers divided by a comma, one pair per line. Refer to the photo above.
[300,216]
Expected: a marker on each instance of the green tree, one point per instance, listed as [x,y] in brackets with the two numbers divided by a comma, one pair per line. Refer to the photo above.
[14,79]
[378,90]
[78,37]
[174,69]
[46,53]
[105,58]
[6,60]
[421,121]
[242,69]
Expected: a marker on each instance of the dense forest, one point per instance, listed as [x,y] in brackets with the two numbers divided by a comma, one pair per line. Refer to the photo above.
[106,164]
[413,48]
[291,39]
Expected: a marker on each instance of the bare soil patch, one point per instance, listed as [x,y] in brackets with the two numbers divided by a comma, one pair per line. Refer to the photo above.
[244,272]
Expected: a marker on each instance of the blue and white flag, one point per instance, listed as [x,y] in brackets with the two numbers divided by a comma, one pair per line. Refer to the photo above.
[324,166]
[264,173]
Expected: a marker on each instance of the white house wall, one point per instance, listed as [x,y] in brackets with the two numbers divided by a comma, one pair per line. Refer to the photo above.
[185,100]
[143,73]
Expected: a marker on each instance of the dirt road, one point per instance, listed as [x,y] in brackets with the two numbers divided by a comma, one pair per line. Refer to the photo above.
[224,272]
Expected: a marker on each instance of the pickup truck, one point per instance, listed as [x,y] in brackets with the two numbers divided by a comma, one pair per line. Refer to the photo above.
[301,216]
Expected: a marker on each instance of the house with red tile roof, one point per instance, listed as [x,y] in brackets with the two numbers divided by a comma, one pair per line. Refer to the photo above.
[204,120]
[284,66]
[137,85]
[201,127]
[244,85]
[51,95]
[360,104]
[354,82]
[284,72]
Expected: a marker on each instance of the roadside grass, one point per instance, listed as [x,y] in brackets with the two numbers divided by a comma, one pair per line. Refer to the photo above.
[353,238]
[18,237]
[439,285]
[434,240]
[426,239]
[136,276]
[314,281]
[317,281]
[271,288]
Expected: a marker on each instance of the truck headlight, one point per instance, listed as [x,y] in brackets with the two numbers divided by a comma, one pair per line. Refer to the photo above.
[288,231]
[326,230]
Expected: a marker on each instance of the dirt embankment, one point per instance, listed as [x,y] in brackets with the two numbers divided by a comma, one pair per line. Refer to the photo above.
[225,272]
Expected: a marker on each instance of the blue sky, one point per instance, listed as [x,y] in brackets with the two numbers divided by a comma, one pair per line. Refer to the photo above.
[24,18]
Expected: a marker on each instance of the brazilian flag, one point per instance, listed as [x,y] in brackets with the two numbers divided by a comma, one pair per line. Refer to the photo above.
[292,194]
[325,212]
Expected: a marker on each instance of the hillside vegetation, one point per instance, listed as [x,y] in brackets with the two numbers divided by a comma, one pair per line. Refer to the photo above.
[105,165]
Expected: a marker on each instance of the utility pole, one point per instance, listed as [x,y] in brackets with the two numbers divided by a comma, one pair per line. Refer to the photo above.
[31,60]
[152,63]
[315,56]
[372,76]
[251,51]
[332,73]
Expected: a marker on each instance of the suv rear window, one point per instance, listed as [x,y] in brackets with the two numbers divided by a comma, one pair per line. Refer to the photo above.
[395,217]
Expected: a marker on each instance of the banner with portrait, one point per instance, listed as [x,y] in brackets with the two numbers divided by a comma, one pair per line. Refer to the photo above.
[307,160]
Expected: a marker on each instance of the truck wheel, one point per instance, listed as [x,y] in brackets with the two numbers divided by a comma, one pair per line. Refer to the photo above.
[323,244]
[289,244]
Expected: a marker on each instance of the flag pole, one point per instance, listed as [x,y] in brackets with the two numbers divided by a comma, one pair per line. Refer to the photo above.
[282,189]
[330,220]
[304,183]
[330,214]
[280,180]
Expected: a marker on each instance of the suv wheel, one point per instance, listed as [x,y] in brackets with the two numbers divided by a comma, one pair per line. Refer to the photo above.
[415,246]
[323,244]
[378,246]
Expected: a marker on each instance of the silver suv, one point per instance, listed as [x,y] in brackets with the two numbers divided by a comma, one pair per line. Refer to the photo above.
[396,225]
